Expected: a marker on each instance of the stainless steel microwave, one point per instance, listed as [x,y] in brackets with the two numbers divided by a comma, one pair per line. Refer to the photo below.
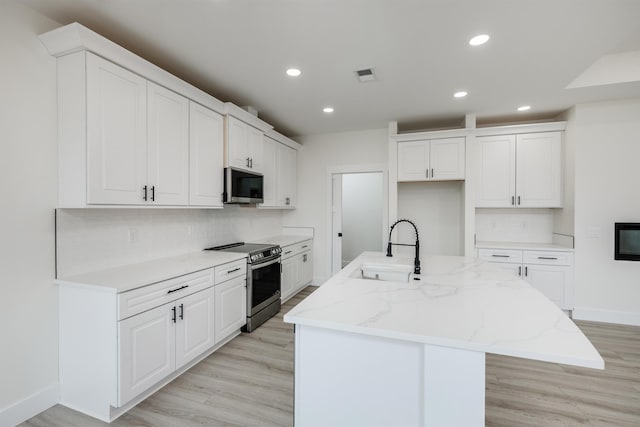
[242,187]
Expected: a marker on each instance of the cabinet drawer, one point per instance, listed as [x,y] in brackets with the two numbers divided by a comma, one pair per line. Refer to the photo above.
[548,258]
[230,270]
[298,248]
[148,297]
[500,255]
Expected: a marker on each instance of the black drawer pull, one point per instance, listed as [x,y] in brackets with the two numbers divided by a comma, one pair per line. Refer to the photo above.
[547,257]
[182,311]
[501,256]
[177,289]
[305,247]
[233,271]
[174,314]
[288,252]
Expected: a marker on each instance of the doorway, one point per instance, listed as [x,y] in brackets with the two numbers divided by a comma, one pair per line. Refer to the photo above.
[358,215]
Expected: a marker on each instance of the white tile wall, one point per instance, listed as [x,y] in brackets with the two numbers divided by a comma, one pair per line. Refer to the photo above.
[514,225]
[95,239]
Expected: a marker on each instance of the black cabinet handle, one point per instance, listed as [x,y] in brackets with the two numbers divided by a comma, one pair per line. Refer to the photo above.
[247,162]
[526,271]
[153,193]
[174,314]
[182,311]
[177,289]
[518,200]
[305,246]
[500,256]
[233,271]
[288,252]
[431,173]
[251,163]
[520,271]
[145,193]
[547,257]
[513,200]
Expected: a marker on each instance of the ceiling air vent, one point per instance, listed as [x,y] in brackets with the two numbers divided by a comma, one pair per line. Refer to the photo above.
[365,75]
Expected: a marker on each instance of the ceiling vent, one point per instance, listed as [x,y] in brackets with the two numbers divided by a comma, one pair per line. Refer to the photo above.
[365,75]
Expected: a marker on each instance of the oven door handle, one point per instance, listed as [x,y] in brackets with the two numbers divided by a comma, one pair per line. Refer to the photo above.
[264,264]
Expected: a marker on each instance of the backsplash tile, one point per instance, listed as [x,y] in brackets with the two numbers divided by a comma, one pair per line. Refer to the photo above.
[95,239]
[514,225]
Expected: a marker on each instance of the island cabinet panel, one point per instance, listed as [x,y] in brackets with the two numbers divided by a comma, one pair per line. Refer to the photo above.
[521,171]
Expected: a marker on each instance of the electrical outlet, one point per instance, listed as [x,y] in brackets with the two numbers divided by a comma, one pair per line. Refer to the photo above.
[132,235]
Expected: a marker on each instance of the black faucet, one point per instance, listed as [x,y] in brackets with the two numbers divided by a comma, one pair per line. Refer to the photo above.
[416,261]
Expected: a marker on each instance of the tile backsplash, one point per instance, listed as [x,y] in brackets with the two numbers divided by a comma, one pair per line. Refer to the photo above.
[96,239]
[514,225]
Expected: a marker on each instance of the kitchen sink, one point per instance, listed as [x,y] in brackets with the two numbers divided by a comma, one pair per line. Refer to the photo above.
[385,272]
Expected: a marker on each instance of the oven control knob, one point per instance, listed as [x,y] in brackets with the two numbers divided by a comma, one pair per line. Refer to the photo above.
[253,257]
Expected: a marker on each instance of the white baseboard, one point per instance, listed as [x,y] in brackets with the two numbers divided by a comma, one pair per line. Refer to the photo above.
[607,316]
[31,406]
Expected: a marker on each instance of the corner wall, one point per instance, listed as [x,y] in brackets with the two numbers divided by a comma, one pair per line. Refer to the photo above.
[606,138]
[28,181]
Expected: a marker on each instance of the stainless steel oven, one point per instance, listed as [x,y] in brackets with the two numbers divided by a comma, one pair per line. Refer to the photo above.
[263,280]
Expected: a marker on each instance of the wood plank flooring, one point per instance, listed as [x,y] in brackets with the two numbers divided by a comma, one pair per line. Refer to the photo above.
[249,382]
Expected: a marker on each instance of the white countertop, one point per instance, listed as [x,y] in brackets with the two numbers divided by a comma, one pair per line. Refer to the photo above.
[459,302]
[128,277]
[284,240]
[523,246]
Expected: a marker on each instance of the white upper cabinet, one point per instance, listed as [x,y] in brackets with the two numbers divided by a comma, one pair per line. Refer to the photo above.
[280,174]
[243,145]
[431,160]
[206,135]
[116,131]
[168,146]
[522,170]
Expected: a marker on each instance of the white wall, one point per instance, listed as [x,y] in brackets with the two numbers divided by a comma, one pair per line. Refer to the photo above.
[515,225]
[28,182]
[607,190]
[318,154]
[95,239]
[361,214]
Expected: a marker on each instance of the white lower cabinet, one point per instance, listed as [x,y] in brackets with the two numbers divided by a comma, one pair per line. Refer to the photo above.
[231,307]
[551,272]
[297,268]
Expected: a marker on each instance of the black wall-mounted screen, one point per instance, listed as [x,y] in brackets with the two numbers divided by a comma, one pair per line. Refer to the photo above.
[627,241]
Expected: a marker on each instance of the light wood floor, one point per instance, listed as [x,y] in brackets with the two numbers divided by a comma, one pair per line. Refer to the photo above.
[249,382]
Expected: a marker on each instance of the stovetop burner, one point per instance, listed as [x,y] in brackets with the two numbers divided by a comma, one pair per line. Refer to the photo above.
[258,252]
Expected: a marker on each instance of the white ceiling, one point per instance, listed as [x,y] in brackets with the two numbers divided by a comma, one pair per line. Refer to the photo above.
[238,50]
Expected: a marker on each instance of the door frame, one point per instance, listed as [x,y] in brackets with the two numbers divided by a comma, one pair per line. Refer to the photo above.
[348,169]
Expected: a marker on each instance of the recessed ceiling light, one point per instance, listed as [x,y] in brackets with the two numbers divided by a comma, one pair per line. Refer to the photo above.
[524,108]
[328,110]
[479,39]
[293,72]
[460,94]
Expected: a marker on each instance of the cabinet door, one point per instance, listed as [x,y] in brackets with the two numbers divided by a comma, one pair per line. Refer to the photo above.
[551,280]
[256,148]
[288,277]
[496,171]
[205,154]
[168,147]
[146,351]
[116,134]
[194,327]
[231,307]
[413,161]
[447,159]
[270,170]
[307,268]
[286,175]
[539,170]
[237,143]
[516,269]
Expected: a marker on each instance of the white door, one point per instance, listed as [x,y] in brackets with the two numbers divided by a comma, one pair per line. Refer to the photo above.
[286,175]
[116,134]
[288,277]
[238,150]
[271,170]
[539,170]
[336,215]
[447,159]
[256,144]
[231,307]
[168,147]
[147,350]
[194,327]
[548,279]
[205,156]
[413,161]
[496,171]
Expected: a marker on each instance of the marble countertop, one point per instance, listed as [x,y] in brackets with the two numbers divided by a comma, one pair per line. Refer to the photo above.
[523,246]
[284,240]
[129,277]
[458,302]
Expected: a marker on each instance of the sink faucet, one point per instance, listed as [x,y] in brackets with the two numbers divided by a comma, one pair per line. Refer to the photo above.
[416,261]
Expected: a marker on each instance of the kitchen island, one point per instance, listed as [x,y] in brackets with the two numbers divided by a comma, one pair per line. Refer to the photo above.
[380,353]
